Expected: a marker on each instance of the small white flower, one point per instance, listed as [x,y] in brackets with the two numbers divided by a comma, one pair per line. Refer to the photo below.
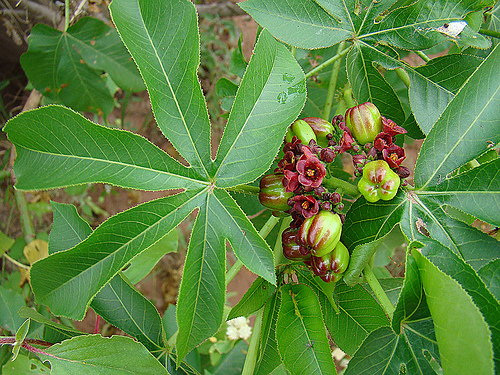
[245,332]
[338,354]
[232,333]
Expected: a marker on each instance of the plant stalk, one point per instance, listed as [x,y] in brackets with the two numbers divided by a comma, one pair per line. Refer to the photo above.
[29,232]
[66,15]
[372,280]
[333,84]
[328,62]
[253,347]
[488,32]
[264,232]
[15,262]
[423,56]
[348,97]
[403,76]
[348,188]
[245,189]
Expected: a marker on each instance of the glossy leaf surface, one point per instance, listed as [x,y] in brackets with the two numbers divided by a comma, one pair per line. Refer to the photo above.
[95,354]
[271,95]
[163,38]
[301,334]
[77,151]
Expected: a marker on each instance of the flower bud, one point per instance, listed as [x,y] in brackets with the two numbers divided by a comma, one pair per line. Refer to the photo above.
[321,128]
[320,233]
[327,155]
[302,130]
[273,194]
[364,121]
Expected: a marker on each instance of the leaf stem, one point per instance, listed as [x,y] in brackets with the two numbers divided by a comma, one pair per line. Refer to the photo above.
[378,291]
[327,63]
[403,76]
[22,206]
[13,261]
[347,187]
[251,358]
[333,83]
[245,189]
[66,15]
[264,232]
[488,32]
[423,56]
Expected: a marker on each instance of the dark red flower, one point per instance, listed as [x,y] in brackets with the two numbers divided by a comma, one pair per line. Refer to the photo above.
[359,160]
[382,141]
[391,128]
[290,181]
[394,155]
[346,141]
[306,205]
[311,170]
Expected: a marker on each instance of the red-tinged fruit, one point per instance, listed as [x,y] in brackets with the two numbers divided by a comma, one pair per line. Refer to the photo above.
[335,262]
[364,121]
[320,233]
[273,194]
[291,249]
[378,181]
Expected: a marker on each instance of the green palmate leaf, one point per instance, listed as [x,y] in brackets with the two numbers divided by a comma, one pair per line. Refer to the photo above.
[69,229]
[435,84]
[121,305]
[143,263]
[10,303]
[56,67]
[54,57]
[238,64]
[460,327]
[95,354]
[271,95]
[301,334]
[200,306]
[424,217]
[448,263]
[64,331]
[303,24]
[490,274]
[369,85]
[253,299]
[364,230]
[67,281]
[269,357]
[476,192]
[58,147]
[415,27]
[384,352]
[411,305]
[359,315]
[162,36]
[203,282]
[247,244]
[468,125]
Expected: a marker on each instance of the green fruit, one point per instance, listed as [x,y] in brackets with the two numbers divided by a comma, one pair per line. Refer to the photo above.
[302,130]
[379,181]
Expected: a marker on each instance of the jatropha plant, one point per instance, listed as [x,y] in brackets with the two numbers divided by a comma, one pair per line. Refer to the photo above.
[319,121]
